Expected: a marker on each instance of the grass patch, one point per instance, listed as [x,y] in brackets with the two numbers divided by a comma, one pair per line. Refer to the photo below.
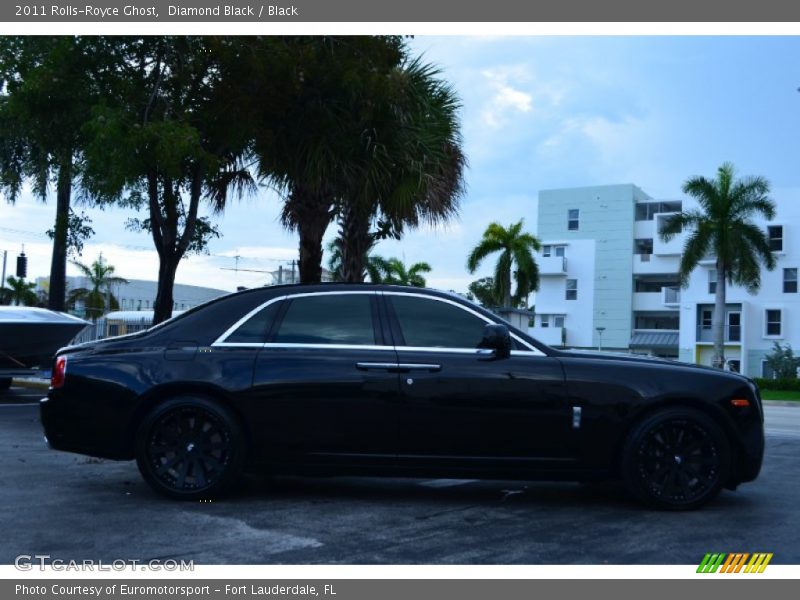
[780,395]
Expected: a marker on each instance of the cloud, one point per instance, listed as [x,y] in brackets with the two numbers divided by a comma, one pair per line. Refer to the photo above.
[506,99]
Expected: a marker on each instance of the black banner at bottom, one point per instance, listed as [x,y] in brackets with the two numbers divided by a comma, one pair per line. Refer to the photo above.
[393,589]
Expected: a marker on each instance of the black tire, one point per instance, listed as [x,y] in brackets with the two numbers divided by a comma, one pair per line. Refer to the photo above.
[190,448]
[5,383]
[676,459]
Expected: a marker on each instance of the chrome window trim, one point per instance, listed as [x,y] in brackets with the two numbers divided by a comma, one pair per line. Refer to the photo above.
[221,343]
[533,350]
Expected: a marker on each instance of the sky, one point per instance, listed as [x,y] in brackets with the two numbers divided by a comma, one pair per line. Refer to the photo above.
[537,113]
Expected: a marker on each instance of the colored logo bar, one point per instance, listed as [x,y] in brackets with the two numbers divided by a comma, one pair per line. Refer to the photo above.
[734,562]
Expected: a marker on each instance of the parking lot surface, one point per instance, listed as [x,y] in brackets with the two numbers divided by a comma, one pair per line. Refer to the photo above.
[74,507]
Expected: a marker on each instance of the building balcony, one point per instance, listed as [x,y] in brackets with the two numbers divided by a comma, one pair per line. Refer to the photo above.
[652,264]
[668,297]
[552,265]
[672,248]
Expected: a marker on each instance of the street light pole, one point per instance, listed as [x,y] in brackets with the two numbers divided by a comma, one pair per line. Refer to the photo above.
[600,331]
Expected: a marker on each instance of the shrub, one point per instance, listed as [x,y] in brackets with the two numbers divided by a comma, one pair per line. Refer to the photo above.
[790,385]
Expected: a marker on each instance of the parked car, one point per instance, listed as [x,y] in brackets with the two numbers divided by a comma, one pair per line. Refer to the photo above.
[385,380]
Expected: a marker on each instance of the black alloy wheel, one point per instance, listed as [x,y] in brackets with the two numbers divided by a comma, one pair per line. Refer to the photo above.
[677,459]
[190,448]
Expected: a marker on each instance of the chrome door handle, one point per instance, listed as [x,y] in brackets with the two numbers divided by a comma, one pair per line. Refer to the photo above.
[370,366]
[419,367]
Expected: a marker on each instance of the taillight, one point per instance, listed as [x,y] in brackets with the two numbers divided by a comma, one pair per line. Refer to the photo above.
[59,373]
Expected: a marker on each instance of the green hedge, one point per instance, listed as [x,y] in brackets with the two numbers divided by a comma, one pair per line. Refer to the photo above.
[792,385]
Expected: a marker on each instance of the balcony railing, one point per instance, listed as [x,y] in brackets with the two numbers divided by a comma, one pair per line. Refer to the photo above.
[671,296]
[552,265]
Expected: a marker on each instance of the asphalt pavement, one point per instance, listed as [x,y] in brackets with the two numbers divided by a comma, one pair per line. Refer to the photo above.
[74,507]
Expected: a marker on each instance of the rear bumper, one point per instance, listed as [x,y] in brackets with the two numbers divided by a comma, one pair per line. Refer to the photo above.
[71,431]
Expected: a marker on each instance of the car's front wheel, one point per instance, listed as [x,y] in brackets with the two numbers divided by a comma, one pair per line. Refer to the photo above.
[676,459]
[190,448]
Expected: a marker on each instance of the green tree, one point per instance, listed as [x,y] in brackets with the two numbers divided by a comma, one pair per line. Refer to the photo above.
[723,227]
[167,136]
[408,169]
[376,266]
[308,136]
[516,249]
[782,361]
[49,86]
[97,298]
[21,292]
[396,272]
[484,292]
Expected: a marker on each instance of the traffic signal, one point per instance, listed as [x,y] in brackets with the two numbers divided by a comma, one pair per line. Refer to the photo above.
[22,266]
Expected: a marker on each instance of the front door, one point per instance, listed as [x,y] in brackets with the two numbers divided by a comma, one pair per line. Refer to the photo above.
[462,402]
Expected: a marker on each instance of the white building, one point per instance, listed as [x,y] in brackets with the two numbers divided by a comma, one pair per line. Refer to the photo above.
[139,294]
[607,280]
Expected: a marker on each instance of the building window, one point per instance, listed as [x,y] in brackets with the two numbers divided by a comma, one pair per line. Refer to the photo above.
[790,281]
[775,235]
[706,317]
[573,219]
[559,250]
[712,281]
[547,250]
[553,250]
[545,322]
[734,328]
[735,365]
[643,246]
[772,318]
[572,289]
[559,321]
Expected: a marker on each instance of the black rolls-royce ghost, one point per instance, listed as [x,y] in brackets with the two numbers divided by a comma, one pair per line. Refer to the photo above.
[385,380]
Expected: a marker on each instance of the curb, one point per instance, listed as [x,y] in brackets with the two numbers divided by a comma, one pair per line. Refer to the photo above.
[781,403]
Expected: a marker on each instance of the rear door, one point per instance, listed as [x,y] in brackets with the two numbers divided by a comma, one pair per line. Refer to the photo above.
[325,383]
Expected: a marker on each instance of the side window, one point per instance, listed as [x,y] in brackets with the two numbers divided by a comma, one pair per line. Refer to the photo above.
[428,323]
[256,328]
[328,319]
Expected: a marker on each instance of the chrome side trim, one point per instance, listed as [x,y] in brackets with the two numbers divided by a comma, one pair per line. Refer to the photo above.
[220,341]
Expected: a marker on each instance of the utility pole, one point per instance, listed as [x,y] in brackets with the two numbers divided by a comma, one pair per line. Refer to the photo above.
[3,281]
[293,276]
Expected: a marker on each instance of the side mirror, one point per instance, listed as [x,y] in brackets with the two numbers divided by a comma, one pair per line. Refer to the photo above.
[496,337]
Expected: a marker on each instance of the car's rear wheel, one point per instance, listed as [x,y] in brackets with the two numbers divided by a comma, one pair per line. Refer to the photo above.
[5,383]
[676,459]
[190,448]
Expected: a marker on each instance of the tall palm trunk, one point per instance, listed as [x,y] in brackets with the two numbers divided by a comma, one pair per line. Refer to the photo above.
[507,289]
[311,215]
[718,324]
[58,263]
[356,243]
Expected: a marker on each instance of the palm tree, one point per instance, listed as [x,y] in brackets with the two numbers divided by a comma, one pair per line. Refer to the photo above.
[306,147]
[397,273]
[98,297]
[21,292]
[376,267]
[516,250]
[723,227]
[409,165]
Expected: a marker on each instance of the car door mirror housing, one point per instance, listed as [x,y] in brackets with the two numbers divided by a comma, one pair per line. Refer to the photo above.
[496,337]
